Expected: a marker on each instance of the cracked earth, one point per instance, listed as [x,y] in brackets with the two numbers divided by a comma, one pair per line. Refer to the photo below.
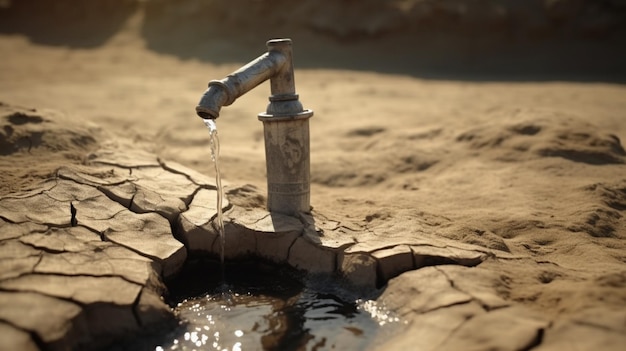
[94,241]
[467,170]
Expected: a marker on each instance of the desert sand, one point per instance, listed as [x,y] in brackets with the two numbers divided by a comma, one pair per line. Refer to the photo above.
[443,128]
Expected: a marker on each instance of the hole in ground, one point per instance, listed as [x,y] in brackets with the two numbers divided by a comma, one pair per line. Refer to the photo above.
[265,306]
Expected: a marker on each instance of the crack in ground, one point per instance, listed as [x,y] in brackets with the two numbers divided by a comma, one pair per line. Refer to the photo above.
[489,254]
[536,341]
[380,277]
[65,177]
[292,243]
[135,306]
[189,199]
[48,194]
[175,171]
[452,332]
[310,226]
[37,263]
[42,248]
[174,229]
[37,292]
[73,221]
[36,231]
[483,305]
[10,221]
[93,230]
[131,202]
[49,225]
[252,223]
[118,199]
[83,307]
[458,303]
[24,196]
[100,188]
[173,224]
[68,275]
[225,213]
[91,260]
[143,254]
[37,340]
[224,210]
[21,257]
[129,168]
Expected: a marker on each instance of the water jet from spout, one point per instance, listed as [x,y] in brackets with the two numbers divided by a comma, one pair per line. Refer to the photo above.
[214,144]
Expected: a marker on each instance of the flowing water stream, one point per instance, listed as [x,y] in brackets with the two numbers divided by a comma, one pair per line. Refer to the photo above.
[214,144]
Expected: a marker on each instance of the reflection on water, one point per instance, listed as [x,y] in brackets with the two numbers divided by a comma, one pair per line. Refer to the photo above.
[265,307]
[233,321]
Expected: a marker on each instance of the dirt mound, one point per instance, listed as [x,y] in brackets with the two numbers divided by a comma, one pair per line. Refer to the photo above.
[26,130]
[40,140]
[572,140]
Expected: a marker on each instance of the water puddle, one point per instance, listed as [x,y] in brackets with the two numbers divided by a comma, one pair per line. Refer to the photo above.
[265,307]
[261,306]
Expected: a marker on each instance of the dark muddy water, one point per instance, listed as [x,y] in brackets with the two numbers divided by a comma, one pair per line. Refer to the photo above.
[264,307]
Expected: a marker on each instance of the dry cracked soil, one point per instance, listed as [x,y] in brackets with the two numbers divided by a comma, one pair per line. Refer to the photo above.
[467,165]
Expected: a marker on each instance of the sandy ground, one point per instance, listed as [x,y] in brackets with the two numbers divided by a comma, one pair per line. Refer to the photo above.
[532,167]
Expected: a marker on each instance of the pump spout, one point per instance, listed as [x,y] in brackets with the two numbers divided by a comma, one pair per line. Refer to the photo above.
[271,65]
[212,101]
[285,123]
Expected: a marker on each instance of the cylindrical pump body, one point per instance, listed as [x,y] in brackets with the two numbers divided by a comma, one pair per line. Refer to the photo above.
[288,164]
[286,129]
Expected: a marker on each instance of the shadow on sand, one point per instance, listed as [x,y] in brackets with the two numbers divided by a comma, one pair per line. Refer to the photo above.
[582,42]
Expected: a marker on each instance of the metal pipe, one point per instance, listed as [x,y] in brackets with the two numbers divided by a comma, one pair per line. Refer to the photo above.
[285,124]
